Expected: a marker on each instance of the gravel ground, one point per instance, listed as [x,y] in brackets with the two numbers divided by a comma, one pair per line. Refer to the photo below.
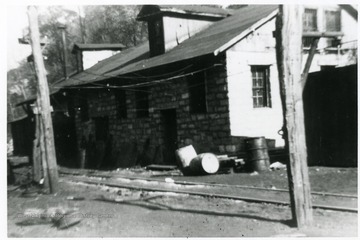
[322,179]
[167,215]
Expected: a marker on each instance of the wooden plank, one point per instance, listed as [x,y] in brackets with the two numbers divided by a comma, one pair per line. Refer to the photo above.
[44,100]
[43,155]
[36,152]
[290,56]
[322,34]
[161,167]
[309,61]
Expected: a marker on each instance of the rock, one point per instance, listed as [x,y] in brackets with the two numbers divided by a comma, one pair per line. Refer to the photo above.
[277,166]
[169,180]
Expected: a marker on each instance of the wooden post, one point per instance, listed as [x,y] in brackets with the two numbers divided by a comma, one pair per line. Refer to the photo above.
[289,51]
[36,151]
[63,35]
[43,89]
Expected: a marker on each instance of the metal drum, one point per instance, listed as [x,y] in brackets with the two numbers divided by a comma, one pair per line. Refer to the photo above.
[257,154]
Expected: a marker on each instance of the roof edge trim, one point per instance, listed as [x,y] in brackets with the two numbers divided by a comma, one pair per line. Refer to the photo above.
[175,10]
[245,33]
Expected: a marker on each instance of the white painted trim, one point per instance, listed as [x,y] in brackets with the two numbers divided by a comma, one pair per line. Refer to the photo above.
[174,10]
[246,32]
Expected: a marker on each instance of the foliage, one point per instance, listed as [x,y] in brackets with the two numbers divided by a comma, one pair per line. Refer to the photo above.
[50,20]
[114,24]
[21,82]
[100,24]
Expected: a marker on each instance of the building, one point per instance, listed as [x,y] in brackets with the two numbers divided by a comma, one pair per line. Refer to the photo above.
[87,55]
[207,77]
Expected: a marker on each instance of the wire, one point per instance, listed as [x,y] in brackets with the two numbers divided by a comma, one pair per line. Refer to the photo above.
[149,83]
[140,76]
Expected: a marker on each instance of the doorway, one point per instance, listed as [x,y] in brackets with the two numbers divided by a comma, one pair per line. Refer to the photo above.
[102,142]
[169,135]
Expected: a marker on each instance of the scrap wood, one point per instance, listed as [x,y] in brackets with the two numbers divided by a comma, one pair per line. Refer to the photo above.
[121,200]
[142,201]
[75,198]
[161,167]
[37,216]
[18,160]
[69,219]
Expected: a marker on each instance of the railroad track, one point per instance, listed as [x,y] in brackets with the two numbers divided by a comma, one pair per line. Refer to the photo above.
[322,200]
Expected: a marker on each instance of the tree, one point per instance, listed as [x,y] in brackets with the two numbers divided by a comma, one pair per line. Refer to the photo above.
[114,24]
[50,20]
[100,24]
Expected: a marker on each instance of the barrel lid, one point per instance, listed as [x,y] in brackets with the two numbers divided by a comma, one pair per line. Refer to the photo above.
[255,137]
[210,163]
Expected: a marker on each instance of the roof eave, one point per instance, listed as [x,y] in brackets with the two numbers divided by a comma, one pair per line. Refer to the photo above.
[203,14]
[164,10]
[243,34]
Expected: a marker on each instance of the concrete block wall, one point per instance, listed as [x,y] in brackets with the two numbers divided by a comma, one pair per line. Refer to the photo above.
[207,132]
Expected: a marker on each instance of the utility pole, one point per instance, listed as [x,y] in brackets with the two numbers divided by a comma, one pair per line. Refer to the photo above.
[46,127]
[63,28]
[289,55]
[82,28]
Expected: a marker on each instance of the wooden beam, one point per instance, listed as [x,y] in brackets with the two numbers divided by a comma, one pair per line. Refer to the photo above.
[290,56]
[43,89]
[322,34]
[309,61]
[36,152]
[63,35]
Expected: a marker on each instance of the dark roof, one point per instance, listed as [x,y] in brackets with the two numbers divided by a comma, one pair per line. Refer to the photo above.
[97,72]
[98,46]
[197,10]
[203,43]
[206,41]
[352,10]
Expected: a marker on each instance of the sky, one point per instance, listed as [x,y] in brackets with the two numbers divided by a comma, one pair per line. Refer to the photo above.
[17,21]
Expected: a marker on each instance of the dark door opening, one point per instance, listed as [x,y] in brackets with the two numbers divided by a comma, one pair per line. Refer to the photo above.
[102,144]
[169,130]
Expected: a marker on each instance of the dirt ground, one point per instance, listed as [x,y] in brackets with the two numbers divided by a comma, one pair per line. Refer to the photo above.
[165,215]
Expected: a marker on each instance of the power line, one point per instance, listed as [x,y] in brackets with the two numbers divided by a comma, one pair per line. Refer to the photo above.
[149,83]
[140,76]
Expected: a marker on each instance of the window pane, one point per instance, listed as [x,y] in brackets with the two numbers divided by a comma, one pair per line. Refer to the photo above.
[261,86]
[310,20]
[333,23]
[307,41]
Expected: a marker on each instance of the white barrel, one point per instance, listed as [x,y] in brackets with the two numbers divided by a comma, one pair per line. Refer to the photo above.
[205,163]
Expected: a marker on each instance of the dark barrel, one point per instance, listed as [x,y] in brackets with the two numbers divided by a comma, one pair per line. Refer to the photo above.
[257,154]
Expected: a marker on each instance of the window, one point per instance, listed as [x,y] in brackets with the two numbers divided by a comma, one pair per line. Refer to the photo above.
[261,86]
[333,24]
[310,20]
[197,92]
[309,25]
[120,96]
[142,102]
